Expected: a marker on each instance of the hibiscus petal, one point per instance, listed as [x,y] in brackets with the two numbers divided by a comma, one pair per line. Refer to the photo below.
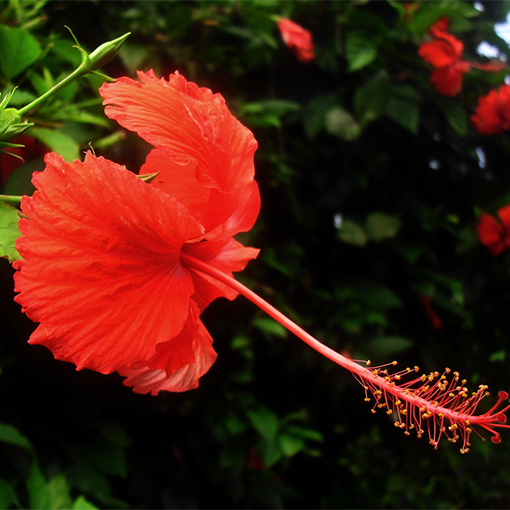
[227,255]
[490,233]
[188,123]
[504,216]
[101,269]
[165,372]
[443,51]
[298,39]
[448,80]
[209,206]
[492,115]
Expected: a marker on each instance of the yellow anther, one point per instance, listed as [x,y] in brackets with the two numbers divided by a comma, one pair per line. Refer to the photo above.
[368,362]
[373,411]
[416,369]
[367,399]
[394,363]
[406,433]
[389,411]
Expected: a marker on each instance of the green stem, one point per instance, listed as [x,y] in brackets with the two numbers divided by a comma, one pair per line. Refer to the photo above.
[10,199]
[77,73]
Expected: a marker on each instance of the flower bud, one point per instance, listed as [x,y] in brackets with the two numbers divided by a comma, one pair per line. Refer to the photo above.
[104,53]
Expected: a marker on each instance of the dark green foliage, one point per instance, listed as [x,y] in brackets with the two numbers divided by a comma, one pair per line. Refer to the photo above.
[371,185]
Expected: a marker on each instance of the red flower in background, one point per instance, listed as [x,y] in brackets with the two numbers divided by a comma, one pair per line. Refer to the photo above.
[444,52]
[492,115]
[433,317]
[298,39]
[104,269]
[493,234]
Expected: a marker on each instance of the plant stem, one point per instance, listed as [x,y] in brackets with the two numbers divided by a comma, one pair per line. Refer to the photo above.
[275,314]
[10,199]
[79,71]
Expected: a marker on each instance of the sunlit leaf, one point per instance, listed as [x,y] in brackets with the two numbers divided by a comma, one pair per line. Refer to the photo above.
[58,142]
[264,421]
[342,124]
[360,49]
[9,232]
[351,232]
[380,226]
[18,49]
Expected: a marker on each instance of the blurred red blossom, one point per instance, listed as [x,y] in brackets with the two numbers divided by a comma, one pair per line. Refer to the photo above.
[444,53]
[433,317]
[104,269]
[492,115]
[298,39]
[493,234]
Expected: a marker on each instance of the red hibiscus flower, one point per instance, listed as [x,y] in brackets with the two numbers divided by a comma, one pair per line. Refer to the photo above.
[117,271]
[444,52]
[298,39]
[492,115]
[493,234]
[104,269]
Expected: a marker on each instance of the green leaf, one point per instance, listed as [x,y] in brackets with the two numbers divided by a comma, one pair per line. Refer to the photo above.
[380,226]
[9,232]
[80,503]
[114,434]
[264,421]
[268,113]
[19,50]
[371,98]
[429,13]
[8,434]
[352,233]
[403,107]
[315,112]
[377,297]
[360,49]
[457,117]
[8,495]
[305,433]
[342,124]
[107,458]
[38,492]
[269,326]
[387,346]
[271,451]
[291,444]
[498,356]
[58,142]
[59,493]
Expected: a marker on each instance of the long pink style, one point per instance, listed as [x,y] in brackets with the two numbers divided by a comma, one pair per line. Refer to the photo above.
[430,402]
